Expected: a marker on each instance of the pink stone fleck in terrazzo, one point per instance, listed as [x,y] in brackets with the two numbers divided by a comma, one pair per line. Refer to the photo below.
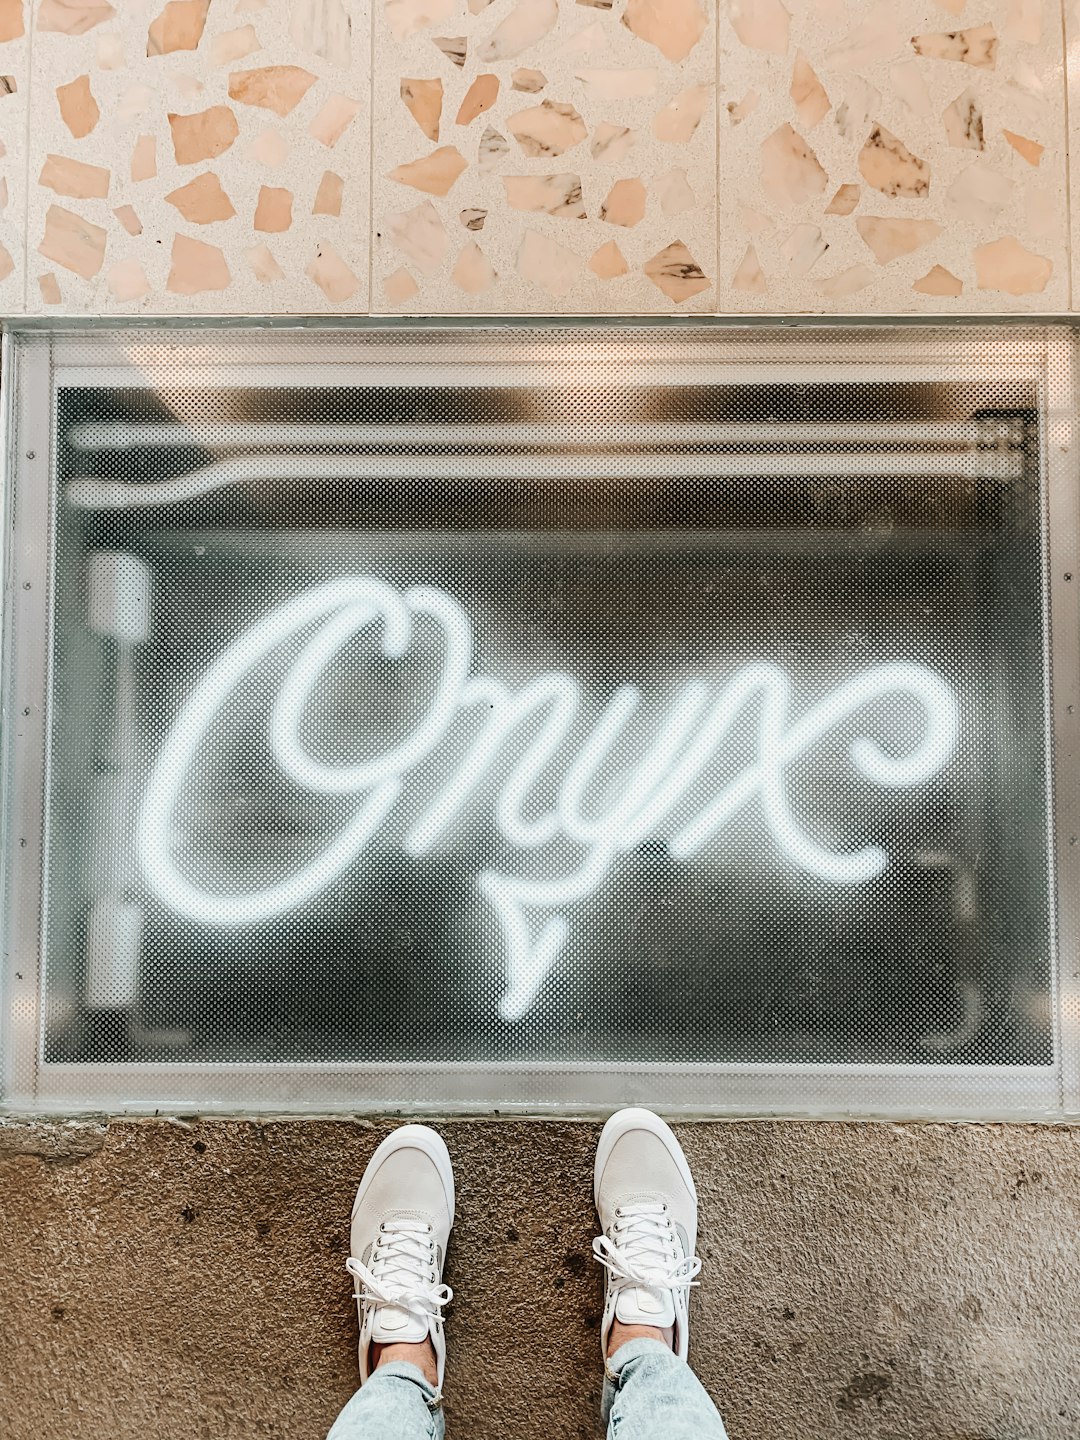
[672,189]
[480,96]
[424,99]
[528,81]
[673,26]
[202,201]
[550,128]
[434,174]
[676,122]
[331,274]
[618,84]
[749,276]
[807,93]
[790,171]
[196,267]
[844,201]
[420,236]
[544,262]
[279,88]
[74,178]
[611,143]
[12,25]
[848,282]
[322,27]
[233,45]
[399,286]
[979,194]
[889,237]
[273,213]
[608,263]
[72,17]
[977,46]
[328,196]
[202,136]
[1008,266]
[625,203]
[472,273]
[676,273]
[888,165]
[556,195]
[527,23]
[263,265]
[179,27]
[73,242]
[128,219]
[963,122]
[127,281]
[334,119]
[78,108]
[1030,150]
[938,281]
[761,24]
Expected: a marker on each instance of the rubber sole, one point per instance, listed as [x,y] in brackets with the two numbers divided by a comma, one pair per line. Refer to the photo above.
[620,1124]
[413,1137]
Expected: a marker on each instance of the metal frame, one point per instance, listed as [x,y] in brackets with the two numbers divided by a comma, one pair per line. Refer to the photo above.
[939,1091]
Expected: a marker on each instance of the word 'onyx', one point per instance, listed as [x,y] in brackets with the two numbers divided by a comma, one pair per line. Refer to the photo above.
[699,717]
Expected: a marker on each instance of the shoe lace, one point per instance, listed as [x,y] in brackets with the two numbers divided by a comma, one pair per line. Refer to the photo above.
[402,1272]
[638,1250]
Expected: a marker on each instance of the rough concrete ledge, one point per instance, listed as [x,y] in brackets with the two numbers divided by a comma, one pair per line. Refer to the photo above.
[177,1280]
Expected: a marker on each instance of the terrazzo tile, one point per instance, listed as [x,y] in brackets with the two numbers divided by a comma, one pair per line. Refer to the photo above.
[892,157]
[565,153]
[14,111]
[1036,157]
[198,156]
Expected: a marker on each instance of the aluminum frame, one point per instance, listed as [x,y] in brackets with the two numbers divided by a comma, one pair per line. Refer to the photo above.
[940,1091]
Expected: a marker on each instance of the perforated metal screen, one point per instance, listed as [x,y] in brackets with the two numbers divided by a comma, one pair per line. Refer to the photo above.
[541,716]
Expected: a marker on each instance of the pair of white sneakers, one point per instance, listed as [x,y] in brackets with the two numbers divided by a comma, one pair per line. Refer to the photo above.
[404,1211]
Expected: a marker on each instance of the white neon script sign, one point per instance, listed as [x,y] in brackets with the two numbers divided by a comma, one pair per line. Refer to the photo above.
[699,718]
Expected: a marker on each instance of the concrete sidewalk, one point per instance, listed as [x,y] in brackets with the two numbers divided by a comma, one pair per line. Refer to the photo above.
[173,1281]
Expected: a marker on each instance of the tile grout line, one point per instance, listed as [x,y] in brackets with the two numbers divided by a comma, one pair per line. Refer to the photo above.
[1068,155]
[371,159]
[716,155]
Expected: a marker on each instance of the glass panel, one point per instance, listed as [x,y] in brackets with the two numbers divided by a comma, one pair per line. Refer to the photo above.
[570,704]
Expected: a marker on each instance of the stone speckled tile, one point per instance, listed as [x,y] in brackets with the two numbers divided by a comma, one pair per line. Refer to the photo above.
[14,108]
[892,156]
[1071,10]
[544,156]
[199,155]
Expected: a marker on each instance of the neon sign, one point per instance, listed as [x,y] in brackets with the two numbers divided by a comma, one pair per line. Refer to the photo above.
[530,908]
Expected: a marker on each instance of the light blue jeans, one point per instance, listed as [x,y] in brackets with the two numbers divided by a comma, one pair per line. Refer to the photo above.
[649,1394]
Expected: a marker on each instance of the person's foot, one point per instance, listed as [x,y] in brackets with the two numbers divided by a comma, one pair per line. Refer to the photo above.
[647,1204]
[401,1221]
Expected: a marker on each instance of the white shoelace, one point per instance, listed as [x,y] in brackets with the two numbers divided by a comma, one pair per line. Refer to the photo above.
[638,1251]
[403,1271]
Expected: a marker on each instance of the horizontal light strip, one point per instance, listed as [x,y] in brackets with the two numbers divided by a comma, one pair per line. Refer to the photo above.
[252,435]
[160,373]
[94,494]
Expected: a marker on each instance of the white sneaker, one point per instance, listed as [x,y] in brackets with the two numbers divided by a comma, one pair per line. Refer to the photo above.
[647,1204]
[400,1225]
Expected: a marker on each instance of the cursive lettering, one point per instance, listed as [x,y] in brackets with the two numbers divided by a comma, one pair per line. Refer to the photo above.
[699,720]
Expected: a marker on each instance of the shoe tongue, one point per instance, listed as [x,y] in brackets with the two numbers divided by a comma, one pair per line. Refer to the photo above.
[637,1306]
[390,1323]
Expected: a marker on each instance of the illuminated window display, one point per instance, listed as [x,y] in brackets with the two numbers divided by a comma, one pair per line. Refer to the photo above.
[464,716]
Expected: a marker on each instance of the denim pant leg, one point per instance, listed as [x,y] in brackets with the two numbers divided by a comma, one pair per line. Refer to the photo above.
[396,1403]
[650,1394]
